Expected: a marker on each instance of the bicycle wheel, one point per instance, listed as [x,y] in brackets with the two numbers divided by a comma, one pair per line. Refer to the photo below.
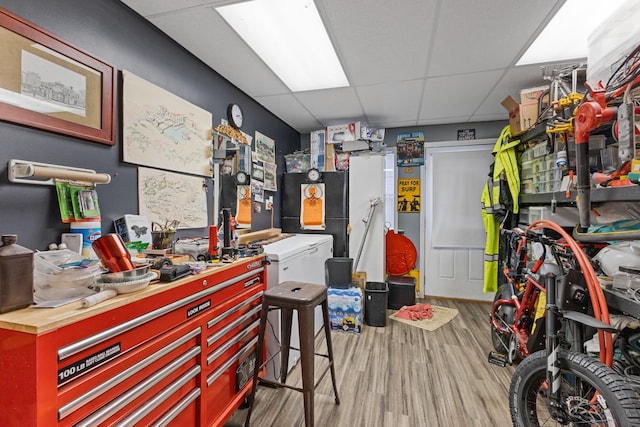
[505,316]
[582,378]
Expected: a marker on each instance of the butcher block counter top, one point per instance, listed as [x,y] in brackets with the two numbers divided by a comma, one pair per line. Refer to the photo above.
[38,320]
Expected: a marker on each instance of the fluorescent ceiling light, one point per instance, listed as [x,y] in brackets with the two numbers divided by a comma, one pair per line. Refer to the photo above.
[565,36]
[290,38]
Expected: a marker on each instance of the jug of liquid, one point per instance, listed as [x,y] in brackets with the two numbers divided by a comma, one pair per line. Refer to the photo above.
[16,274]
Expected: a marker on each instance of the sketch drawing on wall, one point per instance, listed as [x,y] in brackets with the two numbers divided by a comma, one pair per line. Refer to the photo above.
[163,130]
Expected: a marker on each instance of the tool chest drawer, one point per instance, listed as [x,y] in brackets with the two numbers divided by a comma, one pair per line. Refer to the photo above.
[97,394]
[145,359]
[231,337]
[144,319]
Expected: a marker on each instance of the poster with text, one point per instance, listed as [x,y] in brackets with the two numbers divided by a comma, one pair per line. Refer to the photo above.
[409,195]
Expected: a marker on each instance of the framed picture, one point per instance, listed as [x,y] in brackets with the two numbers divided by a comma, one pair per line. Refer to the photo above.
[49,84]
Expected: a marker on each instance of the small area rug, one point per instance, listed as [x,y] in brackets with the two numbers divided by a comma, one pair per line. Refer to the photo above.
[441,316]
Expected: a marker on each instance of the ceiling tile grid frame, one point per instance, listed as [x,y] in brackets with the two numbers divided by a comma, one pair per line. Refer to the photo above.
[409,62]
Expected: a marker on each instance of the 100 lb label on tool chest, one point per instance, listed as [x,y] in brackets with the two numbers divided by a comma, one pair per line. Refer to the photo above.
[77,368]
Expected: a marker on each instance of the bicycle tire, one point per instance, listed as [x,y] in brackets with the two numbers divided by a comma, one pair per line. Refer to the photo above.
[528,405]
[506,315]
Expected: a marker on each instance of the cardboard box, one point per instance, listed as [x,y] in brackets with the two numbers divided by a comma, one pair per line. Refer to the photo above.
[338,134]
[133,228]
[345,309]
[521,116]
[531,95]
[359,279]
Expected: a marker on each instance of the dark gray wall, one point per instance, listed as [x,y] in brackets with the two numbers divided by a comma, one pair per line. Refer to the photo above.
[112,32]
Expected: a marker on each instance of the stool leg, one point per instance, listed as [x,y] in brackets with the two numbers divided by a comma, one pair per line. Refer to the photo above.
[305,327]
[327,332]
[286,318]
[263,324]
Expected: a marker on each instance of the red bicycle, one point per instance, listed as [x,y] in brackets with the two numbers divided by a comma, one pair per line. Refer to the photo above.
[541,314]
[518,313]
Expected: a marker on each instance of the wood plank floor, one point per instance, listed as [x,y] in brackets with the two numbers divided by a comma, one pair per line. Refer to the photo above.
[400,376]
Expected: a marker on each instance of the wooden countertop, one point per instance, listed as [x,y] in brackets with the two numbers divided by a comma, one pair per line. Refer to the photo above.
[39,320]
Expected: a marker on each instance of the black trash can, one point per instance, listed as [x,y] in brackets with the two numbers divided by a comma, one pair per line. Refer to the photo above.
[375,303]
[337,272]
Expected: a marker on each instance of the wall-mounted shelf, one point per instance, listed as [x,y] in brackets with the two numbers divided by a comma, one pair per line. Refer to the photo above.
[598,195]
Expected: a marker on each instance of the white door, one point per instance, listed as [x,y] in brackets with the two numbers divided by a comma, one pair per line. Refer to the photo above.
[454,237]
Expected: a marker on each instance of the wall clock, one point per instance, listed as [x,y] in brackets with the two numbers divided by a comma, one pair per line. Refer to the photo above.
[235,115]
[313,175]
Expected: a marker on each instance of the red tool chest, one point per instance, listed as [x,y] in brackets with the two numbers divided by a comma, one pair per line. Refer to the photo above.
[172,354]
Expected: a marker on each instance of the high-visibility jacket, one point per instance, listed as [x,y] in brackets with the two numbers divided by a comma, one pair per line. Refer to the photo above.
[499,199]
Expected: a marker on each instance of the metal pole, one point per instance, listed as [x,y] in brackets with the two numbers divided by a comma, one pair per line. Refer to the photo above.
[374,202]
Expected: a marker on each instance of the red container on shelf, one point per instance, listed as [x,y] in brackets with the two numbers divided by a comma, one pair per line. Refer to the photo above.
[112,251]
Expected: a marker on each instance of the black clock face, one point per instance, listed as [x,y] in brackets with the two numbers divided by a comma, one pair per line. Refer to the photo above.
[242,178]
[235,115]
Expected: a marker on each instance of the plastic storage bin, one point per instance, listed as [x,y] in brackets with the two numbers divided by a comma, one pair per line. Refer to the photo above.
[337,272]
[64,269]
[375,303]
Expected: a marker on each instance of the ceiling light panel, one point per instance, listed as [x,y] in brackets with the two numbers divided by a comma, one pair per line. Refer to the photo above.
[565,36]
[291,39]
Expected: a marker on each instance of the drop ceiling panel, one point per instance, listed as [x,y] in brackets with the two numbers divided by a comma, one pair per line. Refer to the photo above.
[467,47]
[147,8]
[484,35]
[395,101]
[206,35]
[377,40]
[292,112]
[447,120]
[456,96]
[332,104]
[510,85]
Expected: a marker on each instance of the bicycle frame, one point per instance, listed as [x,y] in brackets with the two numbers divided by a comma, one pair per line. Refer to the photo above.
[522,326]
[526,283]
[524,306]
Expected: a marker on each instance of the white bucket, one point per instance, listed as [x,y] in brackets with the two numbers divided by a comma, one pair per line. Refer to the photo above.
[91,231]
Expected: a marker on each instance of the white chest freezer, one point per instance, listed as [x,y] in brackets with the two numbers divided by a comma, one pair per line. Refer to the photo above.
[300,257]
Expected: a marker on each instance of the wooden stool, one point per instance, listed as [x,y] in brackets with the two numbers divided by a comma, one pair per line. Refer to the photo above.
[303,297]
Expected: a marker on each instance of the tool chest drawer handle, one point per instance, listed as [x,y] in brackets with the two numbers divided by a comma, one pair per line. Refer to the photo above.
[236,339]
[159,398]
[214,376]
[228,313]
[222,332]
[132,394]
[70,407]
[107,334]
[176,410]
